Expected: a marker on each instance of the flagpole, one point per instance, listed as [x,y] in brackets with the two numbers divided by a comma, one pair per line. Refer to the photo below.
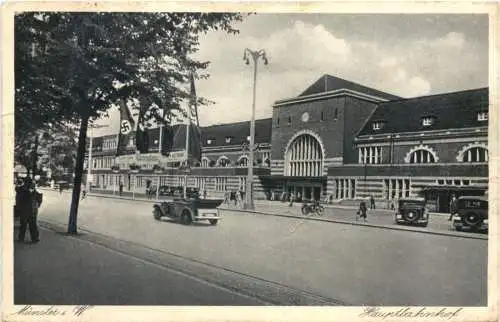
[187,149]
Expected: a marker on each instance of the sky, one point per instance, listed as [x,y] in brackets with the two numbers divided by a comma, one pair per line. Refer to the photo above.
[405,55]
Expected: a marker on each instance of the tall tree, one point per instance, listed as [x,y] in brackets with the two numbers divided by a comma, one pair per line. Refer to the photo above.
[74,66]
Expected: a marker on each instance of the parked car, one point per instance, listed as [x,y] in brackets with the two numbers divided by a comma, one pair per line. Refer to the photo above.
[189,210]
[472,214]
[412,211]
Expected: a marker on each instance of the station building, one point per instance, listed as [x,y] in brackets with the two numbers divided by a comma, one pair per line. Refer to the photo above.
[338,141]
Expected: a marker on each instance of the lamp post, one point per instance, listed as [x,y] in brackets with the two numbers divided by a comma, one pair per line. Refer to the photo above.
[255,55]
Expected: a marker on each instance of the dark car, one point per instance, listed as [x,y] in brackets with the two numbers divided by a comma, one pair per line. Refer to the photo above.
[472,214]
[412,211]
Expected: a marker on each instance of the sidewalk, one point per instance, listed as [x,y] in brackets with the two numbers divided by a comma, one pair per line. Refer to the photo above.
[377,218]
[66,270]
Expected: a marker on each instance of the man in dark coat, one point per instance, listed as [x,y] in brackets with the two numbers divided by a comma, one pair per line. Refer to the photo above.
[453,207]
[27,202]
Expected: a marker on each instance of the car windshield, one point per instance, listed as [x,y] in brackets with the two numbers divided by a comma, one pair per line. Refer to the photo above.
[411,203]
[473,204]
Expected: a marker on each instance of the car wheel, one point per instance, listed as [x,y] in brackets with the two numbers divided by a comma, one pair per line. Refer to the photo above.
[304,210]
[157,214]
[320,210]
[458,228]
[186,217]
[424,225]
[472,219]
[213,222]
[410,216]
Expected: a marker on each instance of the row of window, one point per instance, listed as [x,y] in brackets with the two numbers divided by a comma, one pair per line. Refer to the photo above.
[227,140]
[306,117]
[456,182]
[241,162]
[373,155]
[429,120]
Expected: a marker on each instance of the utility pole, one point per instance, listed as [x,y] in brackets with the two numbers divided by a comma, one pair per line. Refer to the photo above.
[255,55]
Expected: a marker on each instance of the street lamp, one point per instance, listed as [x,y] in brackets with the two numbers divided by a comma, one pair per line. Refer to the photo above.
[255,55]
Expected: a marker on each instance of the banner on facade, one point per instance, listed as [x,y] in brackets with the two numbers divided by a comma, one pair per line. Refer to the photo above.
[150,158]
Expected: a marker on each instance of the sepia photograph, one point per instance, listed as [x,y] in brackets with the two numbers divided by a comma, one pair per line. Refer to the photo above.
[249,159]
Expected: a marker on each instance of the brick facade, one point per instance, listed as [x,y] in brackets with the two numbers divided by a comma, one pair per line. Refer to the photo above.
[341,120]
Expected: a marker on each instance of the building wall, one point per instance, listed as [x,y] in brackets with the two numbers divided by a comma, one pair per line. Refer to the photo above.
[447,149]
[356,113]
[330,127]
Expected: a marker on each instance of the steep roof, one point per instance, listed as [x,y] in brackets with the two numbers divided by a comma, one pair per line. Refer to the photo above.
[238,132]
[449,111]
[330,83]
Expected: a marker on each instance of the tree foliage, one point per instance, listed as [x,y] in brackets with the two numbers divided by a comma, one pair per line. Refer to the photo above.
[84,62]
[72,67]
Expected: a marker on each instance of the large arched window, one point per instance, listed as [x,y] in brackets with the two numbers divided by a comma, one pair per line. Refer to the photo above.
[475,154]
[223,161]
[205,162]
[242,161]
[304,157]
[421,154]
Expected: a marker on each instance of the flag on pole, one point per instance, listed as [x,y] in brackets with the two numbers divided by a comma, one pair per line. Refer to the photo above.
[141,134]
[126,126]
[194,151]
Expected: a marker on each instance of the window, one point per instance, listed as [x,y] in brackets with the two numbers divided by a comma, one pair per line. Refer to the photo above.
[370,155]
[422,156]
[465,182]
[397,188]
[377,125]
[336,114]
[475,154]
[345,188]
[289,120]
[228,139]
[322,116]
[440,181]
[210,141]
[277,122]
[482,116]
[427,121]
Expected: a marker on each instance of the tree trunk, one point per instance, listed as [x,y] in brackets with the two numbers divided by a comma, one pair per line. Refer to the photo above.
[35,157]
[73,213]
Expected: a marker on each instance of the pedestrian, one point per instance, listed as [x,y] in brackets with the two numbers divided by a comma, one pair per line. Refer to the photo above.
[28,200]
[84,192]
[372,202]
[120,188]
[227,196]
[292,199]
[453,206]
[60,188]
[204,193]
[361,213]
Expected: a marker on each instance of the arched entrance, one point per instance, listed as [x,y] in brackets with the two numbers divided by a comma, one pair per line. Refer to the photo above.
[303,164]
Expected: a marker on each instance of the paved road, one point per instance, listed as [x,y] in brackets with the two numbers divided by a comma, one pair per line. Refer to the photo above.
[353,264]
[68,271]
[437,222]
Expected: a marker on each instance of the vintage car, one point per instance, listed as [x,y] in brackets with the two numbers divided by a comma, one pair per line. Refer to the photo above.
[412,211]
[472,214]
[189,210]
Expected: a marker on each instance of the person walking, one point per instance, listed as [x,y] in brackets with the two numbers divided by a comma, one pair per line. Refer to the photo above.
[453,206]
[84,191]
[361,211]
[292,199]
[372,202]
[28,200]
[120,188]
